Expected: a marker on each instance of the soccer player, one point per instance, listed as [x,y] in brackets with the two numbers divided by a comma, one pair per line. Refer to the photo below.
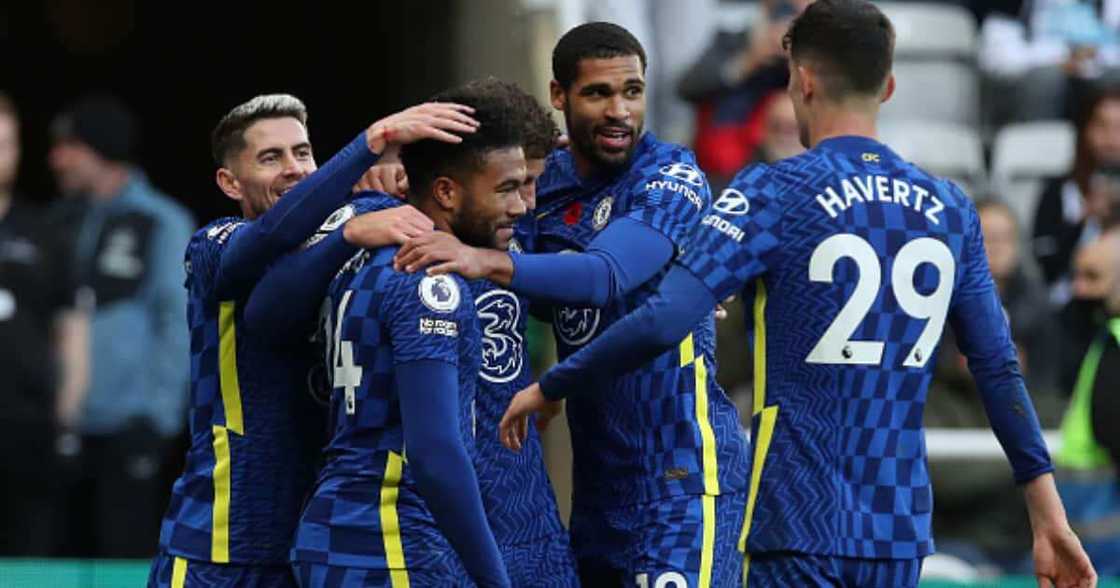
[398,502]
[659,464]
[516,492]
[854,259]
[254,430]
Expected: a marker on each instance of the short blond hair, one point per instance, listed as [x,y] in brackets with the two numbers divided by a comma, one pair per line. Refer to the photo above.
[229,136]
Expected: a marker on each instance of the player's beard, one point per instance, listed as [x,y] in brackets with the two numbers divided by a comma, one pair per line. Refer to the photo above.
[582,135]
[473,228]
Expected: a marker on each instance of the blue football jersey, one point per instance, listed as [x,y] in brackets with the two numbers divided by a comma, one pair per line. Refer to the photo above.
[255,431]
[516,491]
[667,429]
[852,260]
[366,511]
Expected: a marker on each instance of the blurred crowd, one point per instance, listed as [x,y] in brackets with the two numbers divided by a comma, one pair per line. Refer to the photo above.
[92,305]
[95,342]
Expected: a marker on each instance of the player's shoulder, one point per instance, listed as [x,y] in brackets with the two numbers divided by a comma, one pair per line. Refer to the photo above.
[558,175]
[205,246]
[214,235]
[656,158]
[951,195]
[447,294]
[772,181]
[372,201]
[363,202]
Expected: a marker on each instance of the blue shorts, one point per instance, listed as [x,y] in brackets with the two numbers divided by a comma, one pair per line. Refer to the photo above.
[169,571]
[784,568]
[313,575]
[545,563]
[678,542]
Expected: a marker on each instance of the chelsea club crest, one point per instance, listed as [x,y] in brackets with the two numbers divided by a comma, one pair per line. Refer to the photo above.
[602,214]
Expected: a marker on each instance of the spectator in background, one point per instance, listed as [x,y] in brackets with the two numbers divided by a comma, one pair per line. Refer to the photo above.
[729,86]
[1048,53]
[1028,307]
[1090,446]
[43,358]
[1063,219]
[780,137]
[129,250]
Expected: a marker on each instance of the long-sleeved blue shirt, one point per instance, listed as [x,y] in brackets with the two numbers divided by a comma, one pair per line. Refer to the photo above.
[398,490]
[852,260]
[255,430]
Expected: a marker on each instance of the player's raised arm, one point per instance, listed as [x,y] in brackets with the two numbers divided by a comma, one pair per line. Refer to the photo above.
[285,303]
[982,330]
[729,249]
[657,326]
[294,198]
[631,250]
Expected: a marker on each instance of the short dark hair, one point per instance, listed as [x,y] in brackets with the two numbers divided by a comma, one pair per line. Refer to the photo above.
[426,160]
[593,40]
[852,40]
[228,136]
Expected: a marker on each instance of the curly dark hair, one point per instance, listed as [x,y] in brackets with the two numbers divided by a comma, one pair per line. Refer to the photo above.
[426,160]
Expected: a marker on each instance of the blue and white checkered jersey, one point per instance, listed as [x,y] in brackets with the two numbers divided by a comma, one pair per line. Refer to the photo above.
[366,511]
[852,260]
[255,430]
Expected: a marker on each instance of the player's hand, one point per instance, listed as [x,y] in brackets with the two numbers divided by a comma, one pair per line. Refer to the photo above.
[546,414]
[1060,561]
[384,177]
[394,226]
[442,121]
[441,253]
[721,308]
[514,427]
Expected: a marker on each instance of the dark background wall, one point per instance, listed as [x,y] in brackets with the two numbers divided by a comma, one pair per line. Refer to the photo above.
[182,65]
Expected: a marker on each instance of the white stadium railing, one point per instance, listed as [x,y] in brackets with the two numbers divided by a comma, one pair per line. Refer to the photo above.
[974,444]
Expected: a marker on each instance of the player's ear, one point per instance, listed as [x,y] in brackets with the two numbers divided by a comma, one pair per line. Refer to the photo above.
[228,183]
[808,85]
[556,92]
[447,192]
[888,88]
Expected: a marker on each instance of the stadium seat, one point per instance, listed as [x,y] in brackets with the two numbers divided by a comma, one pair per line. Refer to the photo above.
[948,150]
[928,29]
[934,63]
[946,91]
[1026,154]
[737,17]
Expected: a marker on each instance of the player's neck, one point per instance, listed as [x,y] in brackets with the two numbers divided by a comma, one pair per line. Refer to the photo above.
[838,121]
[5,202]
[584,167]
[432,210]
